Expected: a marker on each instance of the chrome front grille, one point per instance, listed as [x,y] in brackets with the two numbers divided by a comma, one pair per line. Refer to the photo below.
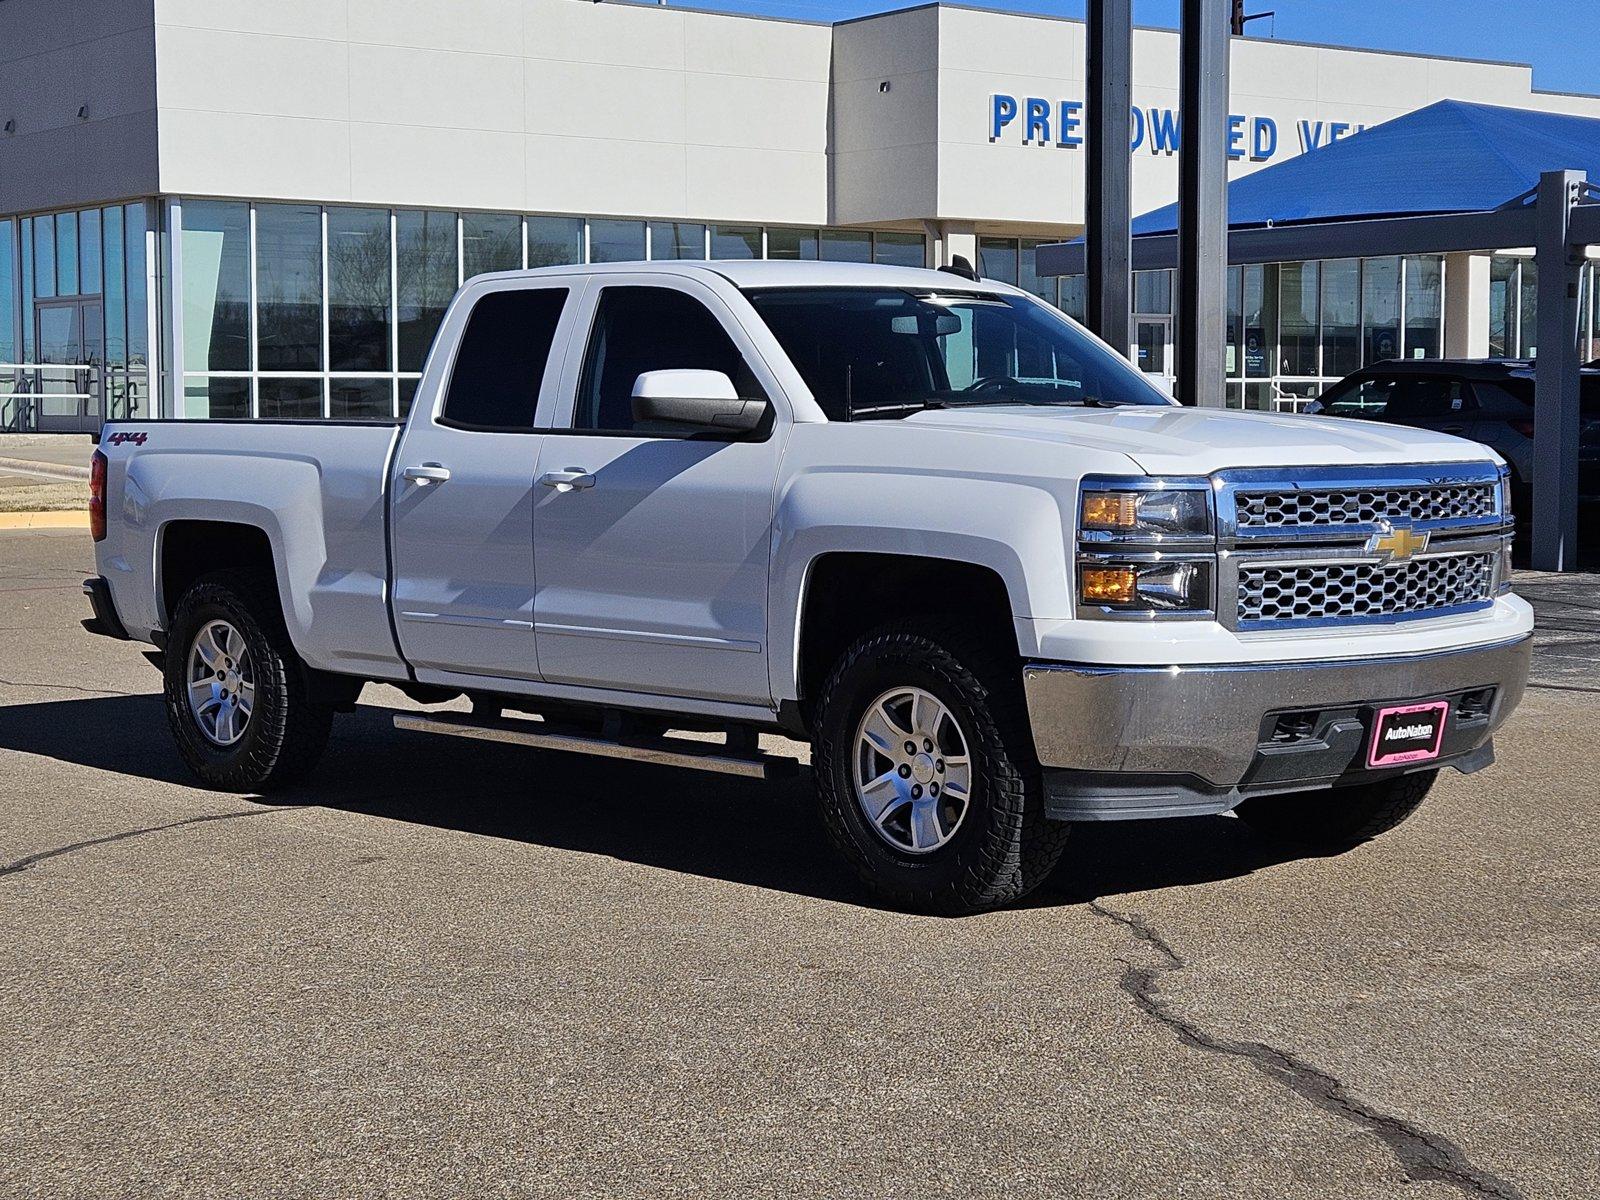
[1357,591]
[1331,508]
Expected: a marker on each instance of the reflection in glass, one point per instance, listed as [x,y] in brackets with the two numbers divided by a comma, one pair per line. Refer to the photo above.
[288,287]
[27,289]
[359,303]
[66,254]
[1341,316]
[1380,309]
[846,245]
[490,242]
[1424,305]
[677,239]
[792,244]
[44,256]
[425,264]
[89,253]
[1233,361]
[361,399]
[290,399]
[735,241]
[1028,277]
[8,285]
[616,241]
[222,398]
[555,241]
[997,259]
[115,289]
[1257,350]
[216,286]
[133,233]
[1072,296]
[408,393]
[1152,292]
[899,249]
[1297,318]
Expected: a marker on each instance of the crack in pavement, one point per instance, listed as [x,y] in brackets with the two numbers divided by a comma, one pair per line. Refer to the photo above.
[69,687]
[22,864]
[1423,1155]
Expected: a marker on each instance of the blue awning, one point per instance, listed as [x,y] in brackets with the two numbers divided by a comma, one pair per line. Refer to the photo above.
[1451,156]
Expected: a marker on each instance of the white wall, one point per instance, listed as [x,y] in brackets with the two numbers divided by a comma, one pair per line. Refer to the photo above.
[521,105]
[100,57]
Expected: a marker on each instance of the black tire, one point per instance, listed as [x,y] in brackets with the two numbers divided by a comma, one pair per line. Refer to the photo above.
[287,730]
[1003,847]
[1339,818]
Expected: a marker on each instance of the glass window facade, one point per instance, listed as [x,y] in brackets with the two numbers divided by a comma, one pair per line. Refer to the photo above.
[677,239]
[216,286]
[1514,308]
[425,279]
[8,294]
[736,241]
[553,241]
[288,287]
[360,290]
[616,241]
[899,249]
[490,242]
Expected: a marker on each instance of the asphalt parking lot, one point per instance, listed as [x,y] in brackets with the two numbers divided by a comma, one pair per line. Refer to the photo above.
[462,969]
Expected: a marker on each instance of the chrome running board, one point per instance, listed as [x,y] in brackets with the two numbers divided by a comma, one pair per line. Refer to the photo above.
[671,752]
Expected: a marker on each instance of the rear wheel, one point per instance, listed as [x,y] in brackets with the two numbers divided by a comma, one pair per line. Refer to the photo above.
[237,695]
[1339,818]
[925,772]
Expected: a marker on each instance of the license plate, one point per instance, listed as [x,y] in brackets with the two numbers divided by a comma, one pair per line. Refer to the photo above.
[1407,733]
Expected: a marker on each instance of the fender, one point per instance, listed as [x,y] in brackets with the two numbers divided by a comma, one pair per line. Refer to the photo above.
[1014,527]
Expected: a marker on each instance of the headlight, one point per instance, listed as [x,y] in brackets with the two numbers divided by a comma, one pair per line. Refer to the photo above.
[1154,513]
[1145,586]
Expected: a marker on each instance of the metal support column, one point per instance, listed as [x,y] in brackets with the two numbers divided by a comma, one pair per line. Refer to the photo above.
[1556,378]
[1108,307]
[1201,294]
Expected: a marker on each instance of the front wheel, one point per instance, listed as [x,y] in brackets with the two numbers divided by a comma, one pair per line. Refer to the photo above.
[1340,817]
[237,695]
[925,772]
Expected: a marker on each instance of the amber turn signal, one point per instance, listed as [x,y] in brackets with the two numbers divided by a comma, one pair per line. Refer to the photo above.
[1109,585]
[1110,510]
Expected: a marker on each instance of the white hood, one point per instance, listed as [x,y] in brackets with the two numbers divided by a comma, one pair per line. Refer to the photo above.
[1165,440]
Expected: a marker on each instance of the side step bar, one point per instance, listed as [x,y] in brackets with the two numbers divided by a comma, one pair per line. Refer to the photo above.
[672,752]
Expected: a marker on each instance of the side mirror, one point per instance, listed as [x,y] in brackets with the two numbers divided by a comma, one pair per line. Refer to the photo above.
[705,400]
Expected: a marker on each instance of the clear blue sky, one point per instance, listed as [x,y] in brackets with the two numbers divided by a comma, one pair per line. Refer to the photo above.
[1561,38]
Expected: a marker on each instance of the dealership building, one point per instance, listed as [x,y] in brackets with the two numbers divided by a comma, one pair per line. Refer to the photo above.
[227,208]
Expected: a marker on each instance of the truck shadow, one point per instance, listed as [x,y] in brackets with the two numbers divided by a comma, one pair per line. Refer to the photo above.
[760,835]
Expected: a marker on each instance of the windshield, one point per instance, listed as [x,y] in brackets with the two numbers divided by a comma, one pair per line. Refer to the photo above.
[887,352]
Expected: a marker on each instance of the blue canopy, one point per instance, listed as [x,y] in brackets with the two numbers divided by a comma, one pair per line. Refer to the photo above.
[1451,156]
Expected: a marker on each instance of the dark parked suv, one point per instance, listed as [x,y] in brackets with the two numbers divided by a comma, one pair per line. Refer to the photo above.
[1487,400]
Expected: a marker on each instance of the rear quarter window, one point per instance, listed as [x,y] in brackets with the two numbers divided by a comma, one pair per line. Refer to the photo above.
[500,365]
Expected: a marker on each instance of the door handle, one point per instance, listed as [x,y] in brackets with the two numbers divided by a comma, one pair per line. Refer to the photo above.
[570,480]
[427,473]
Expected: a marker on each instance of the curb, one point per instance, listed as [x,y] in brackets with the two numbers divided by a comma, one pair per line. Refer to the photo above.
[60,471]
[71,519]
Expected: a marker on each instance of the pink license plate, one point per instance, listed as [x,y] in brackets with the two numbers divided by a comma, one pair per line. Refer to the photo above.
[1407,733]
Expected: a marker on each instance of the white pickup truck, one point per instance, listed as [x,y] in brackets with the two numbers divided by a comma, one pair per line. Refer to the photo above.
[922,521]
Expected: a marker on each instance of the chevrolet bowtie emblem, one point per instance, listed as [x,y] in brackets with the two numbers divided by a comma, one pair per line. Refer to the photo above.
[1393,545]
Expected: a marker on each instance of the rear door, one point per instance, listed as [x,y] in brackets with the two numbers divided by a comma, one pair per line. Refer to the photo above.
[653,567]
[461,484]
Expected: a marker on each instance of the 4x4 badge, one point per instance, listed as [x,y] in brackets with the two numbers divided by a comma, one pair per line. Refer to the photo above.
[1396,544]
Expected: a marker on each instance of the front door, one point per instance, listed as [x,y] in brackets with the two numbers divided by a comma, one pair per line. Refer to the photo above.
[461,489]
[654,543]
[71,337]
[1152,349]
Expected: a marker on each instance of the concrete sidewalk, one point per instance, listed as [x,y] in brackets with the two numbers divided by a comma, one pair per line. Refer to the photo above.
[44,480]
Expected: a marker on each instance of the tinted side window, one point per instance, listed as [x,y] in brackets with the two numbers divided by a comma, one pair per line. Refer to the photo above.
[1422,397]
[498,370]
[639,329]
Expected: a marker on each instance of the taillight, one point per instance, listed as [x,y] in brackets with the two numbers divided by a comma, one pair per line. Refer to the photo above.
[1525,428]
[97,497]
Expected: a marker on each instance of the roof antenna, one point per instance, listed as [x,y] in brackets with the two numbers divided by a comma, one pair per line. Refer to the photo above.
[960,265]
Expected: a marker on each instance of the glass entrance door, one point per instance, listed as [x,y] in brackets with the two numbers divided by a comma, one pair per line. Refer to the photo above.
[1152,348]
[71,341]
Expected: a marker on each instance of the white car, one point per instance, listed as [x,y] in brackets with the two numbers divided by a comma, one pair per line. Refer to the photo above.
[997,580]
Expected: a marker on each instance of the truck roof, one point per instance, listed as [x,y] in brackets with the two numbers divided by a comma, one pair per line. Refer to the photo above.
[757,273]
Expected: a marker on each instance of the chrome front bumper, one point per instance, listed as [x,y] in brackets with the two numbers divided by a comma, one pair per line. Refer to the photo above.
[1120,742]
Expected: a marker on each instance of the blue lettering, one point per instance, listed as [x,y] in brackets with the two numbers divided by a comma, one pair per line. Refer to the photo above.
[1337,130]
[1235,136]
[1137,121]
[1067,127]
[1003,110]
[1038,122]
[1164,131]
[1310,135]
[1263,139]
